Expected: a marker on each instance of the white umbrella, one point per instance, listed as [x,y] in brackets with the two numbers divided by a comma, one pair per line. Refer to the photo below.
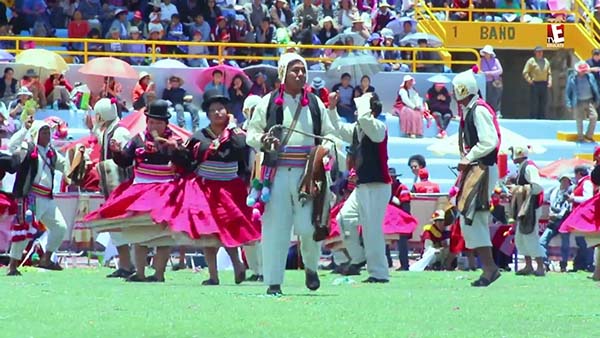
[413,39]
[169,63]
[449,145]
[439,78]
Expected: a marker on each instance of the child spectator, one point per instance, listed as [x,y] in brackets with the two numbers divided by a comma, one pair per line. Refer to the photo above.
[181,101]
[317,87]
[217,83]
[238,92]
[198,50]
[140,48]
[345,106]
[260,86]
[138,22]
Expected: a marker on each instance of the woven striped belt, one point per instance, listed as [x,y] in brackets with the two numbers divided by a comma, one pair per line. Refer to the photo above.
[41,191]
[154,172]
[218,171]
[294,156]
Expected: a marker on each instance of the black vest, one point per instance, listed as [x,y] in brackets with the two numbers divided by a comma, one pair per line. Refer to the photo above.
[369,166]
[521,180]
[13,87]
[471,139]
[28,170]
[275,113]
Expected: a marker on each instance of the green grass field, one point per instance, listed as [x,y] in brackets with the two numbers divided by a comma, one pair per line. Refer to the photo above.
[83,303]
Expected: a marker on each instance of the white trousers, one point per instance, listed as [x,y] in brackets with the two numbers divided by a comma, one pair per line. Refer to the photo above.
[283,211]
[48,213]
[254,258]
[477,235]
[366,206]
[529,245]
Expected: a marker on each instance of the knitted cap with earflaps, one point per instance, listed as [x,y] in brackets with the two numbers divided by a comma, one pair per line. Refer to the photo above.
[107,109]
[284,62]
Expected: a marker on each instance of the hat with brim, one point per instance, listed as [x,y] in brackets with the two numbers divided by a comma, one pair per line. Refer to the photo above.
[143,75]
[120,11]
[565,176]
[538,49]
[326,19]
[406,79]
[438,215]
[317,83]
[392,172]
[137,15]
[582,67]
[384,4]
[134,30]
[357,19]
[24,91]
[487,49]
[158,110]
[155,3]
[212,96]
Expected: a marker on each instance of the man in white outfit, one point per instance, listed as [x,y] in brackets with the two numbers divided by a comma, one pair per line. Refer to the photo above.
[105,129]
[33,190]
[480,140]
[291,106]
[367,203]
[527,238]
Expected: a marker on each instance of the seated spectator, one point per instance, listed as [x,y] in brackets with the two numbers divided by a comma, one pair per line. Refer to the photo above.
[90,9]
[189,9]
[16,107]
[415,163]
[265,33]
[240,32]
[111,89]
[327,31]
[217,83]
[438,101]
[358,26]
[365,85]
[346,14]
[155,47]
[383,16]
[424,186]
[485,16]
[460,16]
[142,87]
[238,91]
[57,89]
[120,24]
[181,101]
[155,21]
[388,41]
[512,16]
[328,8]
[281,15]
[220,29]
[138,21]
[257,11]
[307,12]
[31,80]
[436,240]
[94,46]
[114,47]
[345,106]
[198,50]
[202,26]
[375,40]
[167,10]
[407,28]
[409,108]
[78,29]
[140,48]
[317,87]
[9,86]
[429,56]
[41,28]
[175,33]
[7,124]
[259,85]
[212,12]
[436,5]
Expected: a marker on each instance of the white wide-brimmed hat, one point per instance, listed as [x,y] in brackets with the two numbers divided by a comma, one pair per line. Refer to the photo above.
[487,49]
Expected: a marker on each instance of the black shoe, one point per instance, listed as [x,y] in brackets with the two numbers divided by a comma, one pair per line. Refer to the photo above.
[210,282]
[260,278]
[563,267]
[402,268]
[178,267]
[13,273]
[352,270]
[274,290]
[312,280]
[120,273]
[330,266]
[339,269]
[253,278]
[376,280]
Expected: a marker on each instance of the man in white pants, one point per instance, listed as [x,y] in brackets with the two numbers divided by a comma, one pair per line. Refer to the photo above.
[105,129]
[480,140]
[33,189]
[527,239]
[367,203]
[291,106]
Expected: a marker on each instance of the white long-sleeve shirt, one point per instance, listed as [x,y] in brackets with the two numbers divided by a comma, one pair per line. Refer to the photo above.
[486,132]
[588,192]
[258,122]
[121,135]
[532,175]
[44,174]
[367,124]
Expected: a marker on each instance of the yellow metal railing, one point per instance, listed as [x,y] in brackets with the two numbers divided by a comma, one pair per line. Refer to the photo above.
[221,54]
[429,22]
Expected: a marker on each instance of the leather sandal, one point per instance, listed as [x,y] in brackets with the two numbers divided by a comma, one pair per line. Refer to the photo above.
[210,282]
[484,282]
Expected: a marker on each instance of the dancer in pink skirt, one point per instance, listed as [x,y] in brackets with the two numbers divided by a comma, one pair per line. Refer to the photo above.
[219,154]
[151,210]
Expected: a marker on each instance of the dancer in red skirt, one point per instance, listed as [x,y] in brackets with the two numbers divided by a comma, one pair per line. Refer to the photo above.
[152,210]
[8,205]
[219,152]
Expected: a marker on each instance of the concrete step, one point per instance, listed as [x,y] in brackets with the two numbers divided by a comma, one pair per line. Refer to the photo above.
[572,136]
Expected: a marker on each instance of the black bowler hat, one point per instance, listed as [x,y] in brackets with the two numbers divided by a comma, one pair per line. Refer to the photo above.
[159,110]
[211,96]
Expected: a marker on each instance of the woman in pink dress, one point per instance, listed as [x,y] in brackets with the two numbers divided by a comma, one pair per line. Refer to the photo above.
[151,210]
[218,154]
[409,108]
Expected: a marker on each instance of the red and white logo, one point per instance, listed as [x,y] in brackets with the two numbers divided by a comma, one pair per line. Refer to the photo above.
[555,36]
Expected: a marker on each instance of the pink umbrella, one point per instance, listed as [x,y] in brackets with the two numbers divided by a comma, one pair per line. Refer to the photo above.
[557,5]
[109,66]
[206,75]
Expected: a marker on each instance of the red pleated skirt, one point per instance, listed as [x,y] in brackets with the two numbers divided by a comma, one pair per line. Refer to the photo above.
[585,218]
[8,205]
